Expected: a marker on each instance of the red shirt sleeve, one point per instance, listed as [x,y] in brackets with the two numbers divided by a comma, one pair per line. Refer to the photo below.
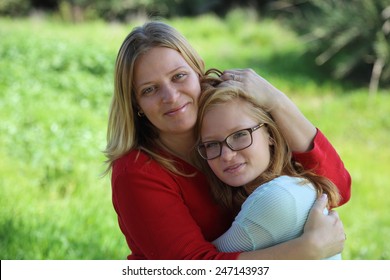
[324,160]
[155,218]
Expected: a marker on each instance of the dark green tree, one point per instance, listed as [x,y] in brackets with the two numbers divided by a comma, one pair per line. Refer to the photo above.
[350,36]
[14,7]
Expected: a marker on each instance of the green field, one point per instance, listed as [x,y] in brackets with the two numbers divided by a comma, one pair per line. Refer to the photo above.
[56,81]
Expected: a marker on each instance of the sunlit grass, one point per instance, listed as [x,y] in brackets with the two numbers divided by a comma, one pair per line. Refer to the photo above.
[359,129]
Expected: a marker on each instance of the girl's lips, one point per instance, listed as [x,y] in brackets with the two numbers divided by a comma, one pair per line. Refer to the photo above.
[234,168]
[177,110]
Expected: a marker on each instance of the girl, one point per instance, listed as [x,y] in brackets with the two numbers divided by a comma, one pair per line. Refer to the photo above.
[249,163]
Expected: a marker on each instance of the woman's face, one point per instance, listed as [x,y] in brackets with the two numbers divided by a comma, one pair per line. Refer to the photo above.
[167,90]
[236,168]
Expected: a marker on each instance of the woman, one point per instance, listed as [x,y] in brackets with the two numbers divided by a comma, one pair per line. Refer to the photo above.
[249,166]
[164,206]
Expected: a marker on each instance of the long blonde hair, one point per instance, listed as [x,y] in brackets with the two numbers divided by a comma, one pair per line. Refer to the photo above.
[126,130]
[281,162]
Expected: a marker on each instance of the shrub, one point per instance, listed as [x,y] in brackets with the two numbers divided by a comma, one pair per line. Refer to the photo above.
[14,7]
[350,36]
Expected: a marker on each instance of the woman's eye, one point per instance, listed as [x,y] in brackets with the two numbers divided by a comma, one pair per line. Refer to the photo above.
[178,76]
[147,90]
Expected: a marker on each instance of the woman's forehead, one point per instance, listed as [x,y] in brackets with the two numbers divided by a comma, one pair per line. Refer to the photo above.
[157,62]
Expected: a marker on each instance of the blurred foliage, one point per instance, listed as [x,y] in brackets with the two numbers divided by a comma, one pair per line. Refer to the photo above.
[125,10]
[15,7]
[351,38]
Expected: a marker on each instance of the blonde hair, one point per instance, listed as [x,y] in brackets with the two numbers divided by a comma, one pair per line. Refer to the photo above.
[127,131]
[281,162]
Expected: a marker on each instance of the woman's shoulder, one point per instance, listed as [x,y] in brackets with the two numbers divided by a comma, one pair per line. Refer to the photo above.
[135,161]
[134,158]
[138,163]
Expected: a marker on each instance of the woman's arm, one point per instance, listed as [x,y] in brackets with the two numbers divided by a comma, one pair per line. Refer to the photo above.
[324,160]
[157,223]
[296,128]
[162,228]
[323,237]
[310,148]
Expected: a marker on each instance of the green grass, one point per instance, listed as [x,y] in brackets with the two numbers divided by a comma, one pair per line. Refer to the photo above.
[55,89]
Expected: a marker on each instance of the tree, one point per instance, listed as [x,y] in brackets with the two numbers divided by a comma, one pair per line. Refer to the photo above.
[353,36]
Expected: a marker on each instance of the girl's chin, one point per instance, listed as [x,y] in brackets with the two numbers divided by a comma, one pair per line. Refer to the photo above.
[235,183]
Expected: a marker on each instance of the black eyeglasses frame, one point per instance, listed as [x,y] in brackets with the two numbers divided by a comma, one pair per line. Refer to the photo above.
[250,130]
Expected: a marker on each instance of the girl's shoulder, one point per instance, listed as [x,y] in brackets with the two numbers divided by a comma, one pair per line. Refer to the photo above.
[279,196]
[281,191]
[285,183]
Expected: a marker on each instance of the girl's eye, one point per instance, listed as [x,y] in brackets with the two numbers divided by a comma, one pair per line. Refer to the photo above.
[211,145]
[240,134]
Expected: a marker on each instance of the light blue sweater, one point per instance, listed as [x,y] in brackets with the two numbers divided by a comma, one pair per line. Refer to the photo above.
[274,213]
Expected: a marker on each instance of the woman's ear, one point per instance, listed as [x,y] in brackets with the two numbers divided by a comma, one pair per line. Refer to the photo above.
[271,141]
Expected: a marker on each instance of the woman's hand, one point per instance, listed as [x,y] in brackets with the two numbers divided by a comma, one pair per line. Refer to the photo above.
[324,233]
[253,84]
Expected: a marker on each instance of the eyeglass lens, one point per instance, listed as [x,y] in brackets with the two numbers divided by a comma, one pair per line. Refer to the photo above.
[236,141]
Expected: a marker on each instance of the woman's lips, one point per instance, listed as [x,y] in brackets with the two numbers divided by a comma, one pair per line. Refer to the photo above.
[177,110]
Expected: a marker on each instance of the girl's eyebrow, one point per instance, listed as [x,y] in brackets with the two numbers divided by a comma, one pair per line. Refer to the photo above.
[232,130]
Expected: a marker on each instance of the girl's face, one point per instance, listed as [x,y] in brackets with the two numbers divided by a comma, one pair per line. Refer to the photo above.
[236,168]
[167,90]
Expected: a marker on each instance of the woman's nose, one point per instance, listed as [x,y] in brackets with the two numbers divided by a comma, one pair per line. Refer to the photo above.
[169,93]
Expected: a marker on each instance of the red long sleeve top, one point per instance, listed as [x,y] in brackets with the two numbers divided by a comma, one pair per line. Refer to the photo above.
[167,216]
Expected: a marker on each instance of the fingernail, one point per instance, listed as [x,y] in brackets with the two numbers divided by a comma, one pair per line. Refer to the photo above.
[324,196]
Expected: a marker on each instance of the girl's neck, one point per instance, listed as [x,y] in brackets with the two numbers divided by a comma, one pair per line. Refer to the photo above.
[179,145]
[260,180]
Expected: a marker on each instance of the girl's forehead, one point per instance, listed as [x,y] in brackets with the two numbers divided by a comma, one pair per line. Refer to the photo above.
[225,118]
[235,105]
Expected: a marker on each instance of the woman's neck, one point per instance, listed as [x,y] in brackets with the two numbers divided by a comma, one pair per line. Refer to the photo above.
[180,145]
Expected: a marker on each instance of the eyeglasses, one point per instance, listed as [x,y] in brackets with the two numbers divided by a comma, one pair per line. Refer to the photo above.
[236,141]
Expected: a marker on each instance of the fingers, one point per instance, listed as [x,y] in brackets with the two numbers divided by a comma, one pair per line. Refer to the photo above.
[320,203]
[334,214]
[237,75]
[338,226]
[232,76]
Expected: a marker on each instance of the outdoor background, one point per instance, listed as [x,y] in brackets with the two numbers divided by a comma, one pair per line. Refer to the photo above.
[56,81]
